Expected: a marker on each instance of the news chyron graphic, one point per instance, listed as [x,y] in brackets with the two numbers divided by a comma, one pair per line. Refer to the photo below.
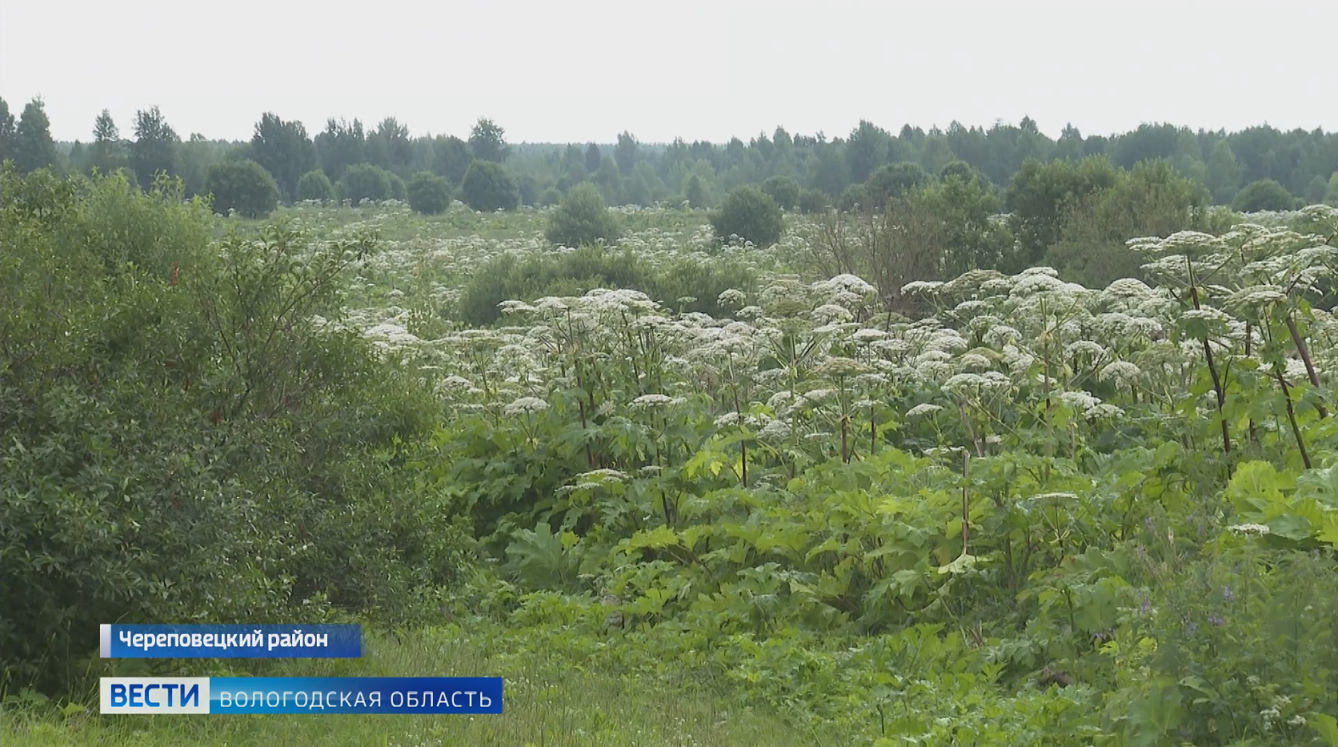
[283,695]
[231,641]
[275,695]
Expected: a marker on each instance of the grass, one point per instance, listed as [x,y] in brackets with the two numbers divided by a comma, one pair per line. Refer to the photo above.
[548,700]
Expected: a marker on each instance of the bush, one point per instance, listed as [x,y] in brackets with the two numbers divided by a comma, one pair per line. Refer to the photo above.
[363,181]
[244,186]
[703,282]
[398,190]
[488,187]
[551,196]
[507,278]
[1264,194]
[162,479]
[813,201]
[429,194]
[582,219]
[751,215]
[784,190]
[856,196]
[315,185]
[894,180]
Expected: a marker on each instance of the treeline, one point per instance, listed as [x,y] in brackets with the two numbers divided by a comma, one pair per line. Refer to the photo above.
[1257,168]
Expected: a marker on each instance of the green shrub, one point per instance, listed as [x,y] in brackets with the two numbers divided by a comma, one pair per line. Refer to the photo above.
[784,190]
[551,196]
[184,442]
[856,196]
[813,201]
[894,180]
[582,219]
[749,214]
[242,185]
[363,181]
[507,278]
[1265,194]
[398,189]
[489,187]
[315,185]
[429,194]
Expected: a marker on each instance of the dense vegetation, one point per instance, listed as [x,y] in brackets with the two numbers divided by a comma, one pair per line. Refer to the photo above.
[891,476]
[1258,168]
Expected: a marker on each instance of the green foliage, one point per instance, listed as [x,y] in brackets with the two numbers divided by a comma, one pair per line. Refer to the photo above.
[363,181]
[315,185]
[33,147]
[784,190]
[696,192]
[284,150]
[1152,200]
[487,141]
[552,197]
[488,187]
[813,201]
[1265,194]
[855,197]
[7,130]
[1040,195]
[398,189]
[155,146]
[582,219]
[429,194]
[894,180]
[244,186]
[748,214]
[185,441]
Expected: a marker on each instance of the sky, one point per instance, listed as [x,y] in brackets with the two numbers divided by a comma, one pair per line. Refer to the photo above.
[585,70]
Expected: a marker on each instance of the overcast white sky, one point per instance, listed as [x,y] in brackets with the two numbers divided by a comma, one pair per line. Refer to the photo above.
[579,70]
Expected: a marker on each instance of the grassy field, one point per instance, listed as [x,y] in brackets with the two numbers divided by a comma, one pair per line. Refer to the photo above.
[549,700]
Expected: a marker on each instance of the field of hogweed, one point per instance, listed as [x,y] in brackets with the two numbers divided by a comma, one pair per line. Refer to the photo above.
[1016,511]
[1035,513]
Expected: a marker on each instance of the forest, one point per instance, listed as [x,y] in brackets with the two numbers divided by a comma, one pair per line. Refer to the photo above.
[963,437]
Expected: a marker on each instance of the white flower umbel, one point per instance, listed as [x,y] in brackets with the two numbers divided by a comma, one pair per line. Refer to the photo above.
[525,406]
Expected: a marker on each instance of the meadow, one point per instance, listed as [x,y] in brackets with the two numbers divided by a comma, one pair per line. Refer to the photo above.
[686,493]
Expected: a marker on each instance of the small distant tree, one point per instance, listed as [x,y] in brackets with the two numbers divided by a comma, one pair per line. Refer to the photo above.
[429,194]
[284,149]
[155,146]
[856,196]
[960,169]
[450,158]
[1265,194]
[488,187]
[751,215]
[315,185]
[1316,191]
[625,153]
[694,191]
[242,185]
[593,158]
[33,147]
[1332,198]
[7,131]
[398,189]
[107,153]
[894,180]
[363,181]
[582,219]
[813,201]
[488,141]
[550,197]
[784,190]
